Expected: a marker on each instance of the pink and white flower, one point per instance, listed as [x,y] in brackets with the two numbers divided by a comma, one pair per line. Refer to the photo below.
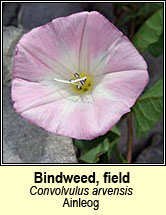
[77,75]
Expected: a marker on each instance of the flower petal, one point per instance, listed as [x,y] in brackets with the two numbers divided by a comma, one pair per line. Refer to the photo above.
[52,49]
[124,86]
[123,57]
[91,119]
[71,116]
[40,104]
[105,49]
[98,36]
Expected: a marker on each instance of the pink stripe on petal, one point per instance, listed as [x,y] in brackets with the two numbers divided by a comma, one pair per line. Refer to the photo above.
[123,57]
[30,67]
[98,36]
[40,105]
[50,49]
[28,95]
[125,86]
[105,49]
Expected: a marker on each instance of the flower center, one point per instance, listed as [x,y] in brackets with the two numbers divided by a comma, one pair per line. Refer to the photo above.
[83,83]
[80,83]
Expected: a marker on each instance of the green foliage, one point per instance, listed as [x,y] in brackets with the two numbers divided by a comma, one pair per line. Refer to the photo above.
[149,16]
[149,8]
[91,151]
[156,49]
[149,109]
[150,32]
[142,11]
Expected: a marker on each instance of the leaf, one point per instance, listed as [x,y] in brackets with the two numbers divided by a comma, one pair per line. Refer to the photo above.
[149,8]
[119,155]
[149,32]
[144,11]
[149,109]
[111,148]
[92,156]
[116,131]
[156,49]
[91,150]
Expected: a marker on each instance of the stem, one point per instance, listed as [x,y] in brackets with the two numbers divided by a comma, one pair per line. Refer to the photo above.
[130,138]
[119,155]
[129,115]
[132,29]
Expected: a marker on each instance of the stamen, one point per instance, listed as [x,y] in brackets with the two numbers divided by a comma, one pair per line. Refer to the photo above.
[70,81]
[76,75]
[79,79]
[79,87]
[83,82]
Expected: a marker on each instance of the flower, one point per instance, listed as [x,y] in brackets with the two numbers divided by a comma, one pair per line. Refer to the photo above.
[77,75]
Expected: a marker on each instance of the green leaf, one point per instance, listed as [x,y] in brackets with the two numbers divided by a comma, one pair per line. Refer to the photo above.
[156,49]
[111,148]
[144,11]
[91,150]
[149,8]
[119,155]
[149,32]
[149,109]
[115,131]
[140,11]
[92,156]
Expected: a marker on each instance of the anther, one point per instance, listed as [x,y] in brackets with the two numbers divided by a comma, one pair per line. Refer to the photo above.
[82,82]
[76,75]
[79,87]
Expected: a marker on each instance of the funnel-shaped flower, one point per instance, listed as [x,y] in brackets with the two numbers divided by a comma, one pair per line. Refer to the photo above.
[77,75]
